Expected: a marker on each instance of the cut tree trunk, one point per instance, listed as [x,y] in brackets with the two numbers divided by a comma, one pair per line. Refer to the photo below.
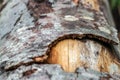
[58,39]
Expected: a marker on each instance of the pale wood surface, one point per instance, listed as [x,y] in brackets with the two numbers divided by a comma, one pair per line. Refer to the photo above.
[94,4]
[71,54]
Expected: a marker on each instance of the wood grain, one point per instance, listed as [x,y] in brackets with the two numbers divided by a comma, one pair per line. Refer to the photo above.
[71,54]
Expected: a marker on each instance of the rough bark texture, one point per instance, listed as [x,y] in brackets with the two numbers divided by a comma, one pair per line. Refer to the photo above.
[29,28]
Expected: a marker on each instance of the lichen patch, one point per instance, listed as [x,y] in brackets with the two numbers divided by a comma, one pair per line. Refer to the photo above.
[104,30]
[113,68]
[87,17]
[70,18]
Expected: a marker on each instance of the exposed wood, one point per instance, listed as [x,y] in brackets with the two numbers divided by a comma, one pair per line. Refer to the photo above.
[66,53]
[71,54]
[40,58]
[93,4]
[76,2]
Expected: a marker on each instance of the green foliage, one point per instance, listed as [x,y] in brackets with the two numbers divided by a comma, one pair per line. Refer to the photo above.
[114,3]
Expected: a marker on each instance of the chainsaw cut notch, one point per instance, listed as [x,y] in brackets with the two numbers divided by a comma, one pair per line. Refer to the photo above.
[73,53]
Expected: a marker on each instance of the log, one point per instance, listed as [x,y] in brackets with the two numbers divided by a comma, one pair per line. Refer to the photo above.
[57,39]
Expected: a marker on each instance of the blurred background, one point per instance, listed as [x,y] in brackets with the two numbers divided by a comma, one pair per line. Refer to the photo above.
[115,8]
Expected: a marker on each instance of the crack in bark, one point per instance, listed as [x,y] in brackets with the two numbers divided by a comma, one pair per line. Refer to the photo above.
[15,5]
[3,6]
[6,35]
[18,19]
[36,60]
[29,72]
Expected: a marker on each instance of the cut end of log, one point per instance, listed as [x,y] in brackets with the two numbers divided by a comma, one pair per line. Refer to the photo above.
[71,54]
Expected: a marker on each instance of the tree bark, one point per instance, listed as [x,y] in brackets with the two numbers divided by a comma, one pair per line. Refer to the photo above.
[58,39]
